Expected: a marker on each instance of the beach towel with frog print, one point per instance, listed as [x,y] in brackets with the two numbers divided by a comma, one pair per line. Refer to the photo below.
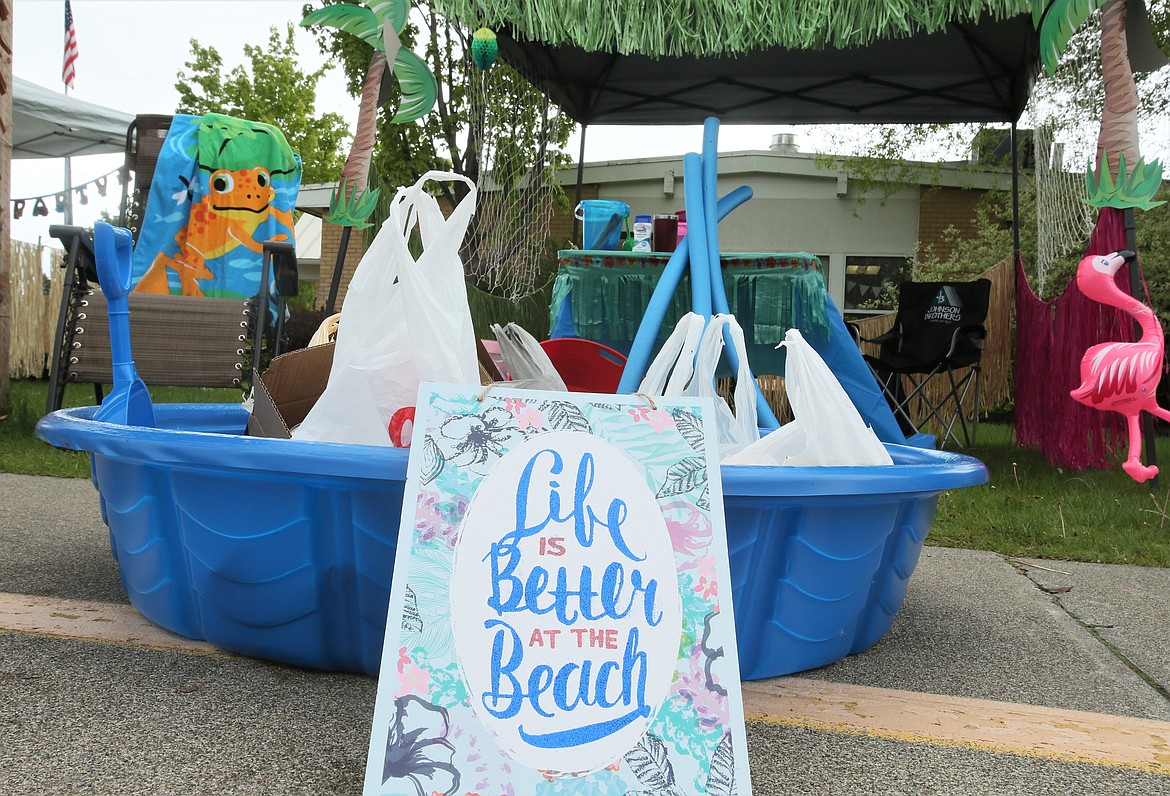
[223,186]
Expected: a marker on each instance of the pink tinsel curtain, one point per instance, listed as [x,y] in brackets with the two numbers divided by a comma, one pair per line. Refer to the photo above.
[1051,338]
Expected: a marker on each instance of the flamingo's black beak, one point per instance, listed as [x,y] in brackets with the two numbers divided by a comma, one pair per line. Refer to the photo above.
[1127,255]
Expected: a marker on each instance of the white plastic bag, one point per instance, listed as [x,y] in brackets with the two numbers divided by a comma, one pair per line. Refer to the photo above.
[674,365]
[739,430]
[528,364]
[692,372]
[403,321]
[827,429]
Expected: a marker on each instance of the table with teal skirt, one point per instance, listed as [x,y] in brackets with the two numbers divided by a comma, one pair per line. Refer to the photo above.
[602,295]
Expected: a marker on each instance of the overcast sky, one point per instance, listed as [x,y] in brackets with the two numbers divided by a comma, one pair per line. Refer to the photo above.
[131,52]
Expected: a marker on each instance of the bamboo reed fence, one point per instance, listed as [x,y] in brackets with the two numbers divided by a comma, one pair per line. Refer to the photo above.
[36,302]
[996,379]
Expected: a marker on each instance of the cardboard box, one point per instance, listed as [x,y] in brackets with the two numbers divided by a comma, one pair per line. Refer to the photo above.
[284,394]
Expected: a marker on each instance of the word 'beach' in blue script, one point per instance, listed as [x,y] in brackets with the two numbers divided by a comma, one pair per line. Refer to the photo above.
[574,594]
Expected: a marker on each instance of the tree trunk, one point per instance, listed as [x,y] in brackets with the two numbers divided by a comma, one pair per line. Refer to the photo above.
[1119,132]
[357,165]
[5,195]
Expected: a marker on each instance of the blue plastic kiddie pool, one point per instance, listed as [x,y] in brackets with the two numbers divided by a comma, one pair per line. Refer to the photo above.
[283,549]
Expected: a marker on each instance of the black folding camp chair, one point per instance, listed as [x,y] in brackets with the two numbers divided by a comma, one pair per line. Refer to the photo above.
[928,364]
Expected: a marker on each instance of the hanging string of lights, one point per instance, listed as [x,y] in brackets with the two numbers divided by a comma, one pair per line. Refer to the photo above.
[40,204]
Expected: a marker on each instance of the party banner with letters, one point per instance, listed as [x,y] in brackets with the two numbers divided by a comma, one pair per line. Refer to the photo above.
[560,618]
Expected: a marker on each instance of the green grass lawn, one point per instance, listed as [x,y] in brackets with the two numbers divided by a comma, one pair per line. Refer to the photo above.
[22,452]
[1031,509]
[1027,509]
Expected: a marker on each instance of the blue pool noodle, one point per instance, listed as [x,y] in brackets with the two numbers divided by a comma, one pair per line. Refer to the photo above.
[718,292]
[697,231]
[643,345]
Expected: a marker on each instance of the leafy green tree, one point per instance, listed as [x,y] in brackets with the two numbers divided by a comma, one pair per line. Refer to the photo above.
[1071,97]
[515,116]
[992,239]
[274,89]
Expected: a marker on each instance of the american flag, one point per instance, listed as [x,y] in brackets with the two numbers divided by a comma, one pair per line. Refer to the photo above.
[68,73]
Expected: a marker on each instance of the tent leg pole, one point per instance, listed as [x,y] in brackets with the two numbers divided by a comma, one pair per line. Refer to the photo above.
[68,193]
[1015,192]
[335,280]
[580,180]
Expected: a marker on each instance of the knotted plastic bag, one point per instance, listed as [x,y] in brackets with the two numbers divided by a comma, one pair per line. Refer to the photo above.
[527,363]
[827,429]
[692,372]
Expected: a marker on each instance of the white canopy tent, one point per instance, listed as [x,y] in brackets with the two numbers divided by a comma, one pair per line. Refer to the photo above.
[49,124]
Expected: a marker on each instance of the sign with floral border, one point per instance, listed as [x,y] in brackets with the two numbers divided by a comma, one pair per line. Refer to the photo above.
[560,616]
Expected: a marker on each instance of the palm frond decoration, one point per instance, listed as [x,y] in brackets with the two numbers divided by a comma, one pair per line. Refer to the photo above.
[354,20]
[372,22]
[352,208]
[1057,26]
[1128,189]
[419,88]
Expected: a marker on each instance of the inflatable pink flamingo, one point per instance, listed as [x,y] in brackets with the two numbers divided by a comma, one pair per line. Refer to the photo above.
[1122,377]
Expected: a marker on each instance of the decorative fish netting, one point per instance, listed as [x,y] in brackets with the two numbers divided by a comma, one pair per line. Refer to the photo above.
[1063,219]
[517,161]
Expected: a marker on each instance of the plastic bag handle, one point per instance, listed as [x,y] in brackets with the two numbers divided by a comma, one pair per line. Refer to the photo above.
[671,369]
[405,212]
[707,361]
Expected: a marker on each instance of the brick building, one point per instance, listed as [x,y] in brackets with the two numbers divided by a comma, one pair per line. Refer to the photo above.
[865,240]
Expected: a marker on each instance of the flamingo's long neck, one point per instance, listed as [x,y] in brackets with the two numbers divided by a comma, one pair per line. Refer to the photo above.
[1116,297]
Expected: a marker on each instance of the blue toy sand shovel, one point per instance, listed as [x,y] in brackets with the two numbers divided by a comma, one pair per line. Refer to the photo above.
[128,403]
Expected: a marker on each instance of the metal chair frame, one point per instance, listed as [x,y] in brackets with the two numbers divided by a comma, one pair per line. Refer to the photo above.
[965,350]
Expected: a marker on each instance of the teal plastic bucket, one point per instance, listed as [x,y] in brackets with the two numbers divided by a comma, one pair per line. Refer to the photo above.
[603,220]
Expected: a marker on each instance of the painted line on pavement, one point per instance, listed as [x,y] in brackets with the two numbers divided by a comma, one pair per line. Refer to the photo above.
[906,716]
[109,623]
[985,725]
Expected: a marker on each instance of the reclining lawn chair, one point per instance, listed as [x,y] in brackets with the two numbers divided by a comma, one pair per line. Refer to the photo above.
[144,142]
[198,268]
[929,362]
[179,341]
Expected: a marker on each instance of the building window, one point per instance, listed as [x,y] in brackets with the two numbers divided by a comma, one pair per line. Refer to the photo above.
[871,283]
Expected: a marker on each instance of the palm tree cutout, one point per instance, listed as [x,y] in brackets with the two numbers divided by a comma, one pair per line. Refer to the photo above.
[377,23]
[1119,178]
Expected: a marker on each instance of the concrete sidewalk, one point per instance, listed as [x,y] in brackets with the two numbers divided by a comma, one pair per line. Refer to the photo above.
[998,677]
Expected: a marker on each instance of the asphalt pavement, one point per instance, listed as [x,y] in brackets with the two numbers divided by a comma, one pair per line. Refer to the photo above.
[999,676]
